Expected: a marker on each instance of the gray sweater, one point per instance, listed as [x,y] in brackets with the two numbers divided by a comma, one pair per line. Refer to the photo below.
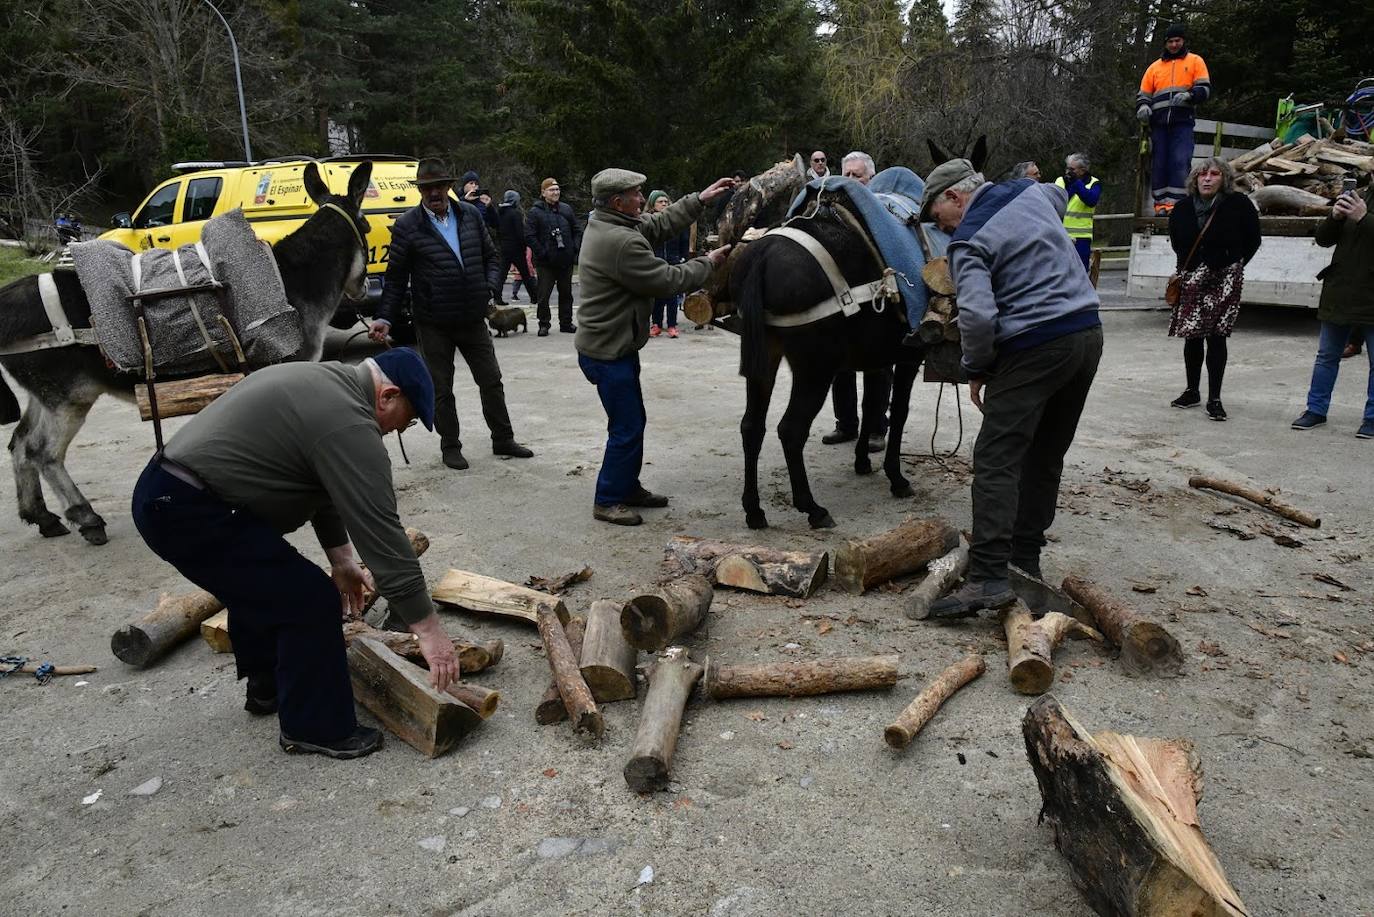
[1018,280]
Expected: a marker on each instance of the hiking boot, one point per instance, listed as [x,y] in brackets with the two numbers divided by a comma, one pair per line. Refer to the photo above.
[877,442]
[1190,398]
[364,741]
[839,436]
[453,458]
[655,331]
[647,499]
[1309,421]
[543,331]
[567,329]
[261,699]
[512,449]
[616,514]
[1366,430]
[973,597]
[1215,410]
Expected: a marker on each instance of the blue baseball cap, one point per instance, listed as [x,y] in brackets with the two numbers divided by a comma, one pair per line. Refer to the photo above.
[408,371]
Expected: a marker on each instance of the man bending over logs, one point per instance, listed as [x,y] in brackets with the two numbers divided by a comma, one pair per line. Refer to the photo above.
[297,443]
[1032,340]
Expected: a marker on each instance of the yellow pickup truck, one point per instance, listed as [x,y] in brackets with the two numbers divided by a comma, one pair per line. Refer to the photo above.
[272,195]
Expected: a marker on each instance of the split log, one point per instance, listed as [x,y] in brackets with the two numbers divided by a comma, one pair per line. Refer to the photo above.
[670,685]
[183,396]
[175,620]
[1031,644]
[398,693]
[1257,496]
[551,709]
[30,668]
[419,542]
[750,567]
[1146,647]
[795,679]
[474,592]
[937,276]
[472,657]
[215,631]
[919,712]
[483,700]
[1124,813]
[655,619]
[607,660]
[943,573]
[862,564]
[577,697]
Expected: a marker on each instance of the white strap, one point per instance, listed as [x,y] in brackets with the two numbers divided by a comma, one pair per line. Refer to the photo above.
[136,266]
[204,257]
[176,263]
[846,299]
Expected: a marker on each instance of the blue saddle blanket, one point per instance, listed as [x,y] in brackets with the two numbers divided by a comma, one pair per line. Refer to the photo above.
[889,205]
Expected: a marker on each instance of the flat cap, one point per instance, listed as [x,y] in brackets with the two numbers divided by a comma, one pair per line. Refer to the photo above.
[613,181]
[945,176]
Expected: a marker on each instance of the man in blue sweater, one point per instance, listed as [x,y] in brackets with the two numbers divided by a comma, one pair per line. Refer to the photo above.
[1032,340]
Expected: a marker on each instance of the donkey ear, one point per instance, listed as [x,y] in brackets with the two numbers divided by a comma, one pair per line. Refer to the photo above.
[979,156]
[314,185]
[937,155]
[358,181]
[799,164]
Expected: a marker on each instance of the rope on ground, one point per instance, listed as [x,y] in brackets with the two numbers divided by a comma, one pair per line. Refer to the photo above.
[959,404]
[43,673]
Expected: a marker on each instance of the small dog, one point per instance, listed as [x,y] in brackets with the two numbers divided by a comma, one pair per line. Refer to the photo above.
[504,321]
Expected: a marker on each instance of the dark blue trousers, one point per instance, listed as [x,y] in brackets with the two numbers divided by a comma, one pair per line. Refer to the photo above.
[617,382]
[284,611]
[1084,247]
[1171,158]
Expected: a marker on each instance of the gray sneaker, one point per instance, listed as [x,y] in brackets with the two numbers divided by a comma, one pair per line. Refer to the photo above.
[973,597]
[616,514]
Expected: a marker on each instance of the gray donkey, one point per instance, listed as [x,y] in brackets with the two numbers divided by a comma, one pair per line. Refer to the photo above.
[321,262]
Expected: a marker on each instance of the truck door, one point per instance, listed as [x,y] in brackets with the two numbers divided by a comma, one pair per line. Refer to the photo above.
[153,220]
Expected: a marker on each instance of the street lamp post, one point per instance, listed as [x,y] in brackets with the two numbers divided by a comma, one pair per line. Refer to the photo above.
[238,80]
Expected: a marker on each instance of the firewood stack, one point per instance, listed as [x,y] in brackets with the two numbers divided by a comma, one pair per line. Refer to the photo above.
[1304,177]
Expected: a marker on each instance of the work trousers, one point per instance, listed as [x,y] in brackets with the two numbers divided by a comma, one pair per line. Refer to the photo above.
[1171,158]
[438,344]
[617,384]
[549,277]
[512,259]
[670,305]
[844,398]
[284,611]
[1327,366]
[1031,406]
[1084,247]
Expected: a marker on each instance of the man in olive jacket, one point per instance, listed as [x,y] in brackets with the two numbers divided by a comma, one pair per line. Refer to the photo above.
[621,277]
[1347,302]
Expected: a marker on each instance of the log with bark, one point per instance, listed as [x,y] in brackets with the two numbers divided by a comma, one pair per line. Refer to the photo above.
[419,542]
[183,396]
[781,181]
[31,668]
[473,657]
[1124,814]
[1259,497]
[215,631]
[474,592]
[551,708]
[750,567]
[577,697]
[1031,644]
[943,573]
[795,679]
[670,685]
[713,301]
[481,699]
[919,712]
[659,617]
[607,658]
[1146,647]
[175,620]
[398,693]
[862,564]
[1273,200]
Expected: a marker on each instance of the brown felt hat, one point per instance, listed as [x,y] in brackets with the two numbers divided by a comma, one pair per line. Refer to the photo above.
[432,171]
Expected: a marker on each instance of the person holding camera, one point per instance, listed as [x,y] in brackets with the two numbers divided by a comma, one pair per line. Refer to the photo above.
[554,236]
[1347,301]
[1084,192]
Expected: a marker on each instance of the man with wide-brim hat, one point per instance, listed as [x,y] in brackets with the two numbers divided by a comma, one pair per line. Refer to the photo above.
[441,250]
[621,277]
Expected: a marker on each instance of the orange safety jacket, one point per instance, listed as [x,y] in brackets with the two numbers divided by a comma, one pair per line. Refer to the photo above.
[1166,79]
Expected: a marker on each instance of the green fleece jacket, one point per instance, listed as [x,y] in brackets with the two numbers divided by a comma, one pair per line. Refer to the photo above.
[297,443]
[621,276]
[1348,281]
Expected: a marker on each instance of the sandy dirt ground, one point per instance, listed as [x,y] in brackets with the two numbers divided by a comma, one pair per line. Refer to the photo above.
[777,806]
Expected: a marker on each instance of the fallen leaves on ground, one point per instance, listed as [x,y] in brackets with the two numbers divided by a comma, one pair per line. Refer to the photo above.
[1144,588]
[558,584]
[1332,581]
[1196,590]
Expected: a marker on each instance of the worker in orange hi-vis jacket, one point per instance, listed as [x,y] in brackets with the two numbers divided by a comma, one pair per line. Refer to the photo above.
[1170,89]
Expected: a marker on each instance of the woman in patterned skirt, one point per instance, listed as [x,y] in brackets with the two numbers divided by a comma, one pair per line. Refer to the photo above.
[1212,276]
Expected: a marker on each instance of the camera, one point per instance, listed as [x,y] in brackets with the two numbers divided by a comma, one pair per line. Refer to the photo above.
[557,234]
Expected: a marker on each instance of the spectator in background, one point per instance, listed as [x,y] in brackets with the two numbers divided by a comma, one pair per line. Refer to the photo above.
[673,250]
[818,167]
[1169,90]
[1027,169]
[554,235]
[474,194]
[511,220]
[1214,232]
[1084,192]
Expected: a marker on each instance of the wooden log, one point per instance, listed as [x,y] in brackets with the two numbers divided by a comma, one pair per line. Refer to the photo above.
[398,693]
[1259,497]
[1031,644]
[655,619]
[215,631]
[474,592]
[670,685]
[931,330]
[183,396]
[750,567]
[577,697]
[473,657]
[780,182]
[795,679]
[483,700]
[1282,199]
[29,668]
[943,573]
[862,564]
[551,709]
[1124,814]
[1146,647]
[607,659]
[937,276]
[419,542]
[175,620]
[699,307]
[919,712]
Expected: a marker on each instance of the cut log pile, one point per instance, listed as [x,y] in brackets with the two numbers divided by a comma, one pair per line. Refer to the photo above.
[1301,178]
